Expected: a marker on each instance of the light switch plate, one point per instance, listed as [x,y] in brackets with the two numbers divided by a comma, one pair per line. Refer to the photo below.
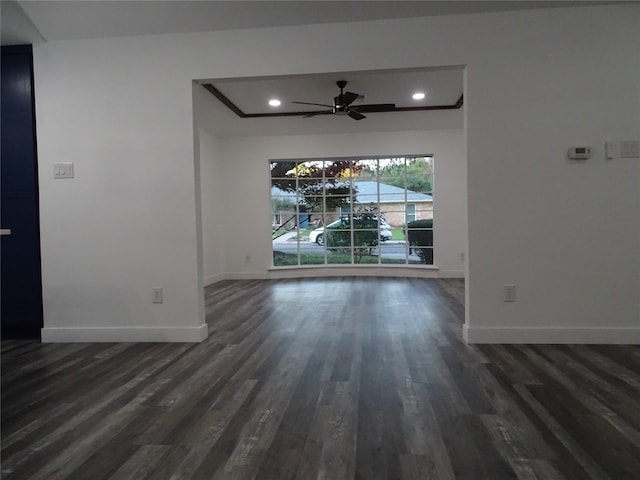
[63,170]
[509,293]
[156,294]
[630,149]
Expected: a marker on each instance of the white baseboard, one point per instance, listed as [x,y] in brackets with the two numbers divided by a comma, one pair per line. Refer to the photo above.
[338,270]
[553,335]
[451,274]
[247,276]
[124,334]
[214,279]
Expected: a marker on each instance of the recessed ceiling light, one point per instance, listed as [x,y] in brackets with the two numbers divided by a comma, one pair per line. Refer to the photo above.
[418,96]
[274,102]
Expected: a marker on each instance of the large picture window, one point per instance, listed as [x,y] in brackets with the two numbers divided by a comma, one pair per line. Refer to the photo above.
[352,211]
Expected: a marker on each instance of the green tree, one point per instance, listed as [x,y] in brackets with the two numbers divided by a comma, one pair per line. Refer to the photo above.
[279,203]
[331,181]
[416,175]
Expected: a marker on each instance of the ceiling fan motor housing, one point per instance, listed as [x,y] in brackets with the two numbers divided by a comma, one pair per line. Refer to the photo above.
[339,107]
[342,102]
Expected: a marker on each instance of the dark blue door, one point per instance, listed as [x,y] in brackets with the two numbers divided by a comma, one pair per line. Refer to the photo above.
[20,250]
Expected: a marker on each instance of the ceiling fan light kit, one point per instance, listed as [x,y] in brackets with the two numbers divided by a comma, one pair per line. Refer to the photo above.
[342,105]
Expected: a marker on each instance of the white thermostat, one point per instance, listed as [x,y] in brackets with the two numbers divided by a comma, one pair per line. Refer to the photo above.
[579,153]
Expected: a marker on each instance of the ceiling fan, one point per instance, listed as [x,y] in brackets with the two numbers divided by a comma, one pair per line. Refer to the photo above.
[342,105]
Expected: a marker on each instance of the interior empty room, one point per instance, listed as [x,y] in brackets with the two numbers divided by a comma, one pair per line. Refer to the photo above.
[306,239]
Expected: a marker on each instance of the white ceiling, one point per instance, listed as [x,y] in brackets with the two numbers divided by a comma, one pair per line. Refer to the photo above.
[50,20]
[76,19]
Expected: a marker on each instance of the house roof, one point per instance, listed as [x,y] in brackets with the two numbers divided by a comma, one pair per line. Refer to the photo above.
[389,193]
[367,192]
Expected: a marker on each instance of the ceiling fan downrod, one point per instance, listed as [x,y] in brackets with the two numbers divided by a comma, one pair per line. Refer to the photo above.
[340,104]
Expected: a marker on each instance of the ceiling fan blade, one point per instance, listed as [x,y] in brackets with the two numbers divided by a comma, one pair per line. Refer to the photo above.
[323,112]
[375,107]
[317,104]
[355,115]
[349,97]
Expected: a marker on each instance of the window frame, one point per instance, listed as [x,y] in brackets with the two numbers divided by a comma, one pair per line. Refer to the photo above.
[353,250]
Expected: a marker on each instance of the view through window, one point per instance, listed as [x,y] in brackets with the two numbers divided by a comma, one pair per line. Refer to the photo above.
[352,211]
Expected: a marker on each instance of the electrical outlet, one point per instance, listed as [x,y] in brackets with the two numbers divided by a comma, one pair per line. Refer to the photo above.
[156,293]
[509,293]
[462,257]
[247,259]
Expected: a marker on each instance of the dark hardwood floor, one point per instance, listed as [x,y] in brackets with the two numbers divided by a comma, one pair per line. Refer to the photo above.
[342,378]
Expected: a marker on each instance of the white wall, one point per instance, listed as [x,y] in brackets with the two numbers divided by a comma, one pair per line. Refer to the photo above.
[127,221]
[567,234]
[212,188]
[537,82]
[248,216]
[213,207]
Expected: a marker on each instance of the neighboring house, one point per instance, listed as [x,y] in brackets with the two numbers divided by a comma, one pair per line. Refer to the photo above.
[390,198]
[392,202]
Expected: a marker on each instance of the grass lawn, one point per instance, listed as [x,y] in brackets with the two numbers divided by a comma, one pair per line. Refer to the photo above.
[397,234]
[302,235]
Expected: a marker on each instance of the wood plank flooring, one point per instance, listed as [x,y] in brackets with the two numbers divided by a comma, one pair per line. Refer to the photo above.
[336,378]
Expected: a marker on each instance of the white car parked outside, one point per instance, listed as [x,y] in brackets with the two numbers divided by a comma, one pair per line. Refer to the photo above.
[317,235]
